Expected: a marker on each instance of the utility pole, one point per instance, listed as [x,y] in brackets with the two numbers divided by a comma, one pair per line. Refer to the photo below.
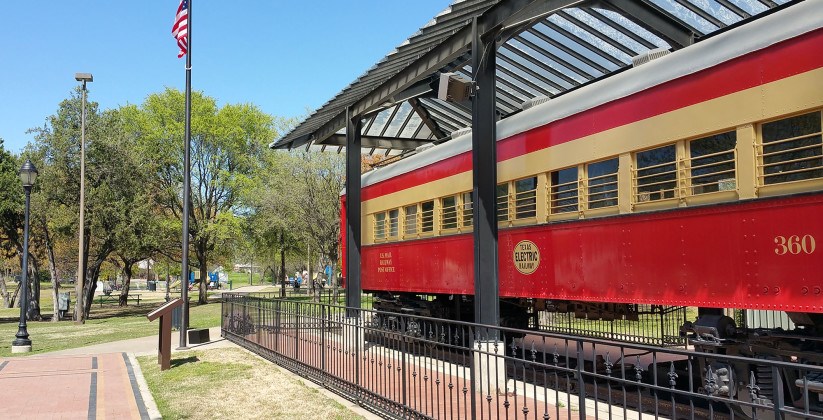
[80,307]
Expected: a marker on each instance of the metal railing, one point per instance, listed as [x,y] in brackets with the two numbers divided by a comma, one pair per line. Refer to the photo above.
[789,160]
[563,197]
[714,172]
[601,191]
[404,366]
[647,324]
[379,227]
[655,182]
[448,217]
[524,204]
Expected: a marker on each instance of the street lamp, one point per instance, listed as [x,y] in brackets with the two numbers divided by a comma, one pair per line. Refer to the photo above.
[81,269]
[22,344]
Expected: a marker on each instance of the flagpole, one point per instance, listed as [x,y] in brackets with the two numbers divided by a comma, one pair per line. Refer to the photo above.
[184,284]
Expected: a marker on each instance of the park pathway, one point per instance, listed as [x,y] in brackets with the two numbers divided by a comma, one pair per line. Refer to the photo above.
[101,386]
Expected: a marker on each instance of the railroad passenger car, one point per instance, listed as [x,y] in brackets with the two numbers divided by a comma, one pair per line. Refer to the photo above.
[694,180]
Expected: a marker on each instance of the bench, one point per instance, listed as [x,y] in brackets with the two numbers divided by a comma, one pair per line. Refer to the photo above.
[116,298]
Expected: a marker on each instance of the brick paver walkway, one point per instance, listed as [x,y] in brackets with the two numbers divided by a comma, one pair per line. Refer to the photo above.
[100,386]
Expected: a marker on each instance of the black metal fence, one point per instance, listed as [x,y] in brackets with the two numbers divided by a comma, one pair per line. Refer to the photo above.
[647,324]
[401,366]
[327,295]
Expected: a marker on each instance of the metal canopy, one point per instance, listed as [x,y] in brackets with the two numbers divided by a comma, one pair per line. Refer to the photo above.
[548,48]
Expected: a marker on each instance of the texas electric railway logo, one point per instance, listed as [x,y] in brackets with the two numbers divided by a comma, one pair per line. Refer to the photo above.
[526,257]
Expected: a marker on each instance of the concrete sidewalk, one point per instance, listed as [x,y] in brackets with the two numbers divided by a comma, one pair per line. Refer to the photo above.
[73,387]
[99,381]
[144,345]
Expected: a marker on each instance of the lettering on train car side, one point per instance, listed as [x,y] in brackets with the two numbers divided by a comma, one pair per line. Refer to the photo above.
[386,264]
[526,257]
[794,244]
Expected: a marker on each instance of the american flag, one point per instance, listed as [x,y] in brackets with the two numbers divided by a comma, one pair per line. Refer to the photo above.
[180,30]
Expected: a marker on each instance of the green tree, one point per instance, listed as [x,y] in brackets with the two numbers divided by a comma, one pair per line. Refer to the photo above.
[112,183]
[295,208]
[226,149]
[11,214]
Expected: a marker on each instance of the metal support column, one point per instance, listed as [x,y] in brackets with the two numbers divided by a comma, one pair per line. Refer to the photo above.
[353,143]
[484,161]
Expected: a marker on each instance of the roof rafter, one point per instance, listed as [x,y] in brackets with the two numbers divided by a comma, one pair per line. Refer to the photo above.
[378,142]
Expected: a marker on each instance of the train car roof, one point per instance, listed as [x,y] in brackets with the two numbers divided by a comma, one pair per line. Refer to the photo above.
[785,24]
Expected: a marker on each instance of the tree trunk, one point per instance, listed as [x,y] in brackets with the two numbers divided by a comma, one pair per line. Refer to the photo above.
[14,302]
[55,279]
[81,286]
[34,297]
[124,290]
[334,283]
[88,297]
[4,292]
[204,274]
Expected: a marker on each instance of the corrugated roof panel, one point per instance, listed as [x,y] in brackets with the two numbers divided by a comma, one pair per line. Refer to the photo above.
[554,54]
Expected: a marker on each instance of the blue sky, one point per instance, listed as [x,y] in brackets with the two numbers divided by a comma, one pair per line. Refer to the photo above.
[285,56]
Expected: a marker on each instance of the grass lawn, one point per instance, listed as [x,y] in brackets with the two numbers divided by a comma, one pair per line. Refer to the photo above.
[215,384]
[109,323]
[46,302]
[242,279]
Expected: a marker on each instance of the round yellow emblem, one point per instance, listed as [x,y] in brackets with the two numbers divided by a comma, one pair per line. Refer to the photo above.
[526,257]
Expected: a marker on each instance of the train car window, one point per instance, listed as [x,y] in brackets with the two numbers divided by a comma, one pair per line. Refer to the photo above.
[563,191]
[380,226]
[394,222]
[502,202]
[712,163]
[525,198]
[410,221]
[427,216]
[602,184]
[448,218]
[656,174]
[792,149]
[468,202]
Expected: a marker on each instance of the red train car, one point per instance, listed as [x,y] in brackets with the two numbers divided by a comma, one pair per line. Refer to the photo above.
[694,180]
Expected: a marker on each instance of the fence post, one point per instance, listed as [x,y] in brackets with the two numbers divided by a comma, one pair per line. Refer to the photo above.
[259,322]
[403,350]
[472,368]
[581,384]
[778,393]
[278,328]
[297,331]
[323,342]
[243,324]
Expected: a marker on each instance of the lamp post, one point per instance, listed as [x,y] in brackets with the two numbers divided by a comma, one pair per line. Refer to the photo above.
[22,344]
[81,267]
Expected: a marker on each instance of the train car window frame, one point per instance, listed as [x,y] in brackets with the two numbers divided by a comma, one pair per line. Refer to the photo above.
[657,179]
[804,166]
[712,163]
[503,205]
[601,190]
[466,209]
[379,227]
[426,217]
[393,219]
[410,221]
[563,198]
[524,198]
[448,213]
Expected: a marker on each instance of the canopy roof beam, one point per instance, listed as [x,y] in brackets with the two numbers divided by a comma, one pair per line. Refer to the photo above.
[421,112]
[378,142]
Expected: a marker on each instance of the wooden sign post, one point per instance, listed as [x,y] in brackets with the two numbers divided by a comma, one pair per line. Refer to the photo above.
[164,343]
